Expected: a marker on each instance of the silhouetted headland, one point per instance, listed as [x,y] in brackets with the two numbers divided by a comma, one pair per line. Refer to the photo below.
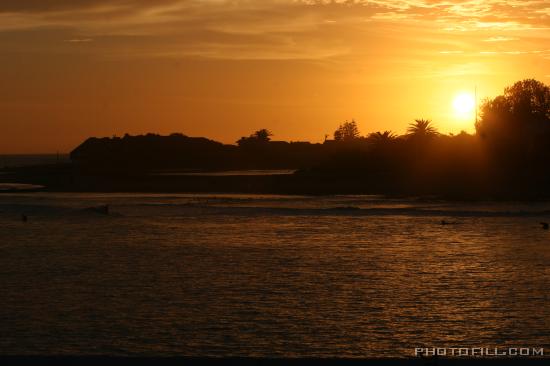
[505,159]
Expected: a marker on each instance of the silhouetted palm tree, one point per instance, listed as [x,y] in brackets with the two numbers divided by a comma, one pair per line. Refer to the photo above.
[262,135]
[422,128]
[381,137]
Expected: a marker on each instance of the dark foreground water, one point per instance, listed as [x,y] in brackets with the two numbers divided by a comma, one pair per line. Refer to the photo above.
[221,275]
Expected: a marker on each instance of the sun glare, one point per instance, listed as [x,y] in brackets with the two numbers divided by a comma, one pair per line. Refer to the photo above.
[464,104]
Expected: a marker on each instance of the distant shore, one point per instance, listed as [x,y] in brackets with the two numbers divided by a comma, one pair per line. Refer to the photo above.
[68,178]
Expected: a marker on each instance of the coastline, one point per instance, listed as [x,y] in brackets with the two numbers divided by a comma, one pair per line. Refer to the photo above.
[70,178]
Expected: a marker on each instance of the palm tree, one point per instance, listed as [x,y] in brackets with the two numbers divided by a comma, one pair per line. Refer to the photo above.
[262,135]
[422,128]
[382,137]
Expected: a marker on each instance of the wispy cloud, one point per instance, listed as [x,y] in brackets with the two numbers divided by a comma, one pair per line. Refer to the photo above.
[266,28]
[500,39]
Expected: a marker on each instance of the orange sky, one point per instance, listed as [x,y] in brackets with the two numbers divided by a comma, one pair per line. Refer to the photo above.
[223,68]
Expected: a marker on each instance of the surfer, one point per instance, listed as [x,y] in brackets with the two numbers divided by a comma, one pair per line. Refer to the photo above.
[443,222]
[103,209]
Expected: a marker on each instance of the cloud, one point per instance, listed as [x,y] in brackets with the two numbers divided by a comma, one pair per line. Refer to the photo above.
[265,29]
[37,6]
[500,39]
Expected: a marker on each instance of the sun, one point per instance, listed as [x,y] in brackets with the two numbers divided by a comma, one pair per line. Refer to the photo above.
[464,104]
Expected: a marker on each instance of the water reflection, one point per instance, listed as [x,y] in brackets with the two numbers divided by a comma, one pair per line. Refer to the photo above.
[192,280]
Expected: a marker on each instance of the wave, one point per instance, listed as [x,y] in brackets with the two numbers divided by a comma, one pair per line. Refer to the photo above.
[56,210]
[191,208]
[357,211]
[249,207]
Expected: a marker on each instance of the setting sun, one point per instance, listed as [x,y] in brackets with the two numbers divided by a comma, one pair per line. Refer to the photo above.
[464,104]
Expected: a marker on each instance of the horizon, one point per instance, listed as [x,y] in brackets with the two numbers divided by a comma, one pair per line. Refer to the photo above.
[225,69]
[330,137]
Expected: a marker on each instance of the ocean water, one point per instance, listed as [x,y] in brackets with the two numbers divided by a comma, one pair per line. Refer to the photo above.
[250,275]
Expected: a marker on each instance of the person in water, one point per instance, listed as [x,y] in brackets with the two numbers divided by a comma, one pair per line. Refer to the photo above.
[443,222]
[103,209]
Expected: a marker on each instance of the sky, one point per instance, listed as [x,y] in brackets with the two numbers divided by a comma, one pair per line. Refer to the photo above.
[225,68]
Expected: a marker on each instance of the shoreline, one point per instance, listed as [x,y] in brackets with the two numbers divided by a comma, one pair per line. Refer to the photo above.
[72,179]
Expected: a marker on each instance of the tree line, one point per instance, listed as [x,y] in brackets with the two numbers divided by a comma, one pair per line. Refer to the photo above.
[506,155]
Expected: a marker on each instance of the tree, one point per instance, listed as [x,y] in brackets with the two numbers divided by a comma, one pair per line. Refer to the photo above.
[422,128]
[259,137]
[380,138]
[515,130]
[262,135]
[529,99]
[522,112]
[347,131]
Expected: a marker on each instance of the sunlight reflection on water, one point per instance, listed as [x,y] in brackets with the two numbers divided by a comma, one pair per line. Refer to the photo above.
[210,275]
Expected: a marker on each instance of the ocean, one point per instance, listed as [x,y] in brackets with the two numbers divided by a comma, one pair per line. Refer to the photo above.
[273,276]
